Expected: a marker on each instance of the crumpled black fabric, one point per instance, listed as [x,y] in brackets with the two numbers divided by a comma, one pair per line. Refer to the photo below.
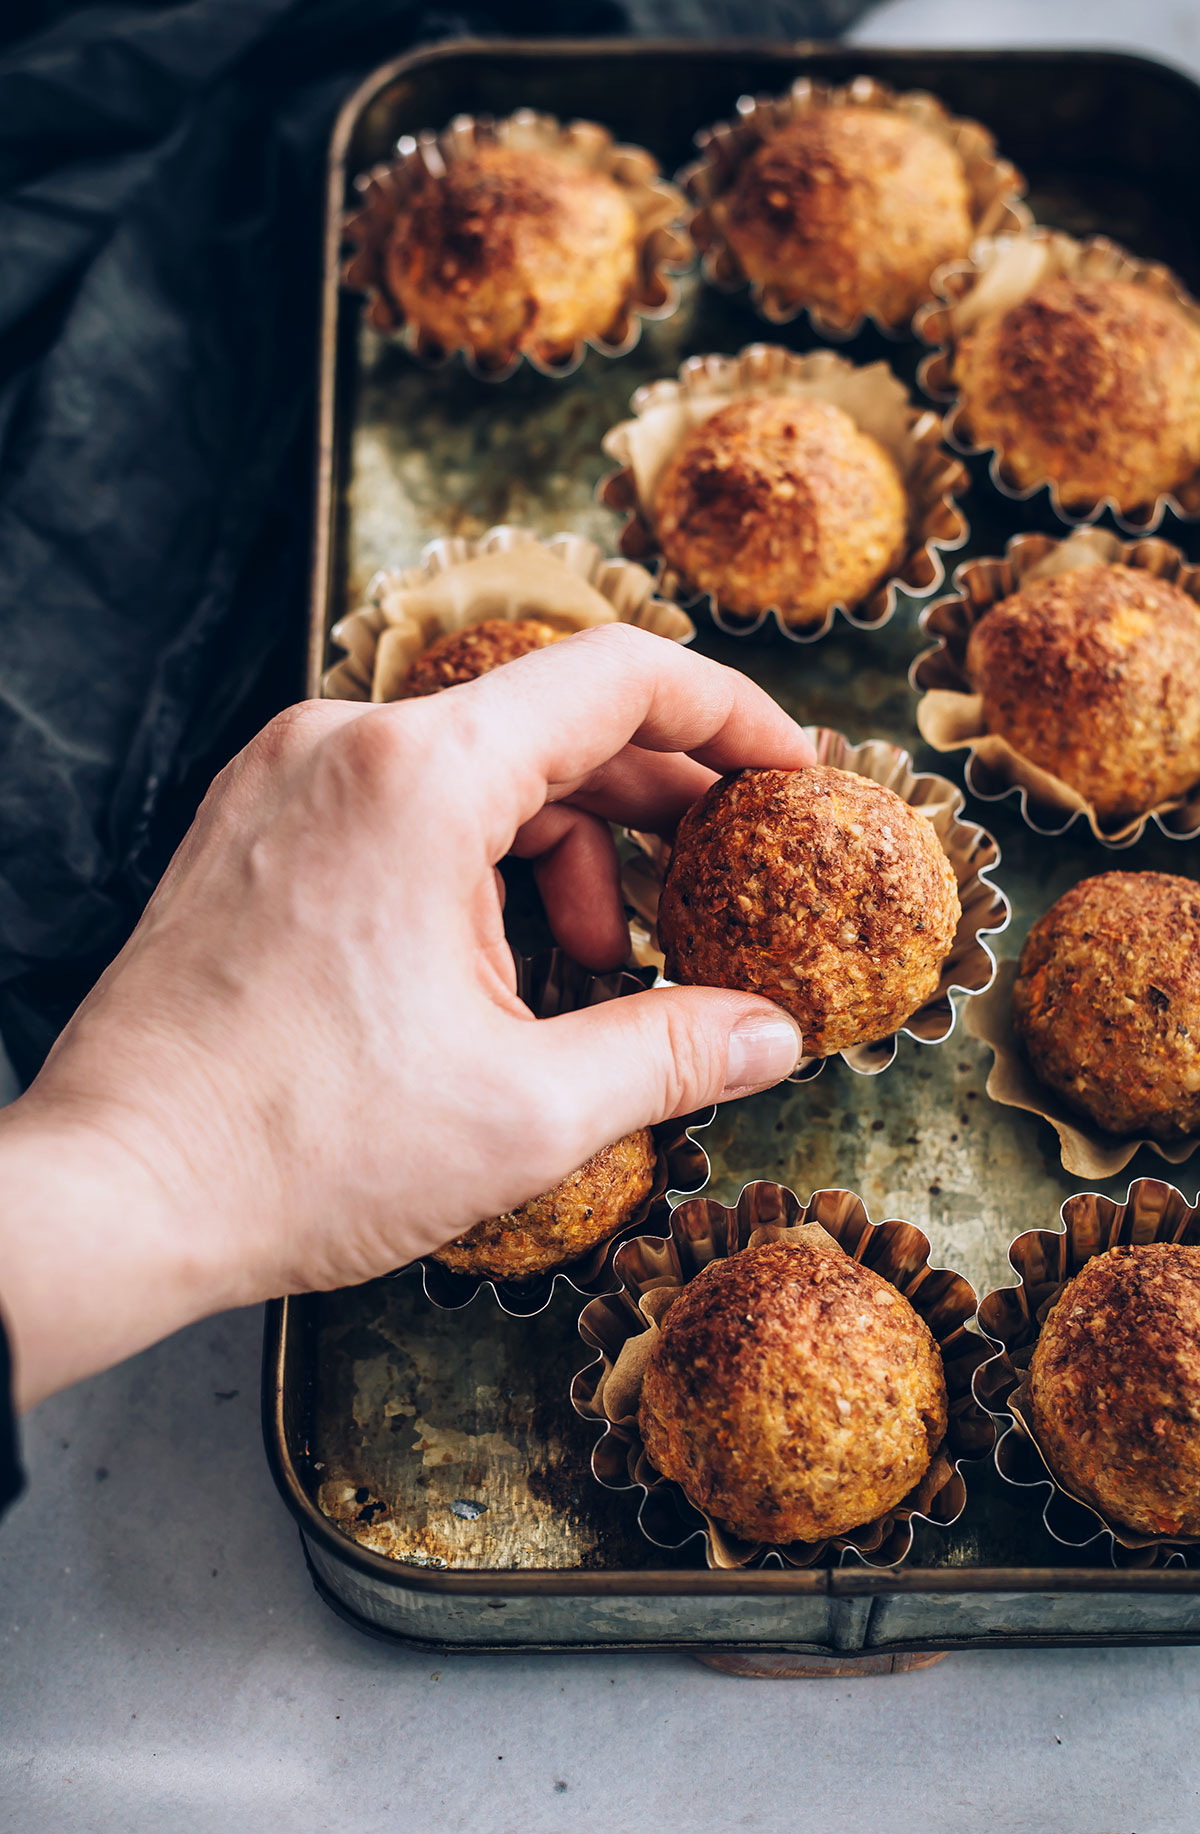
[160,192]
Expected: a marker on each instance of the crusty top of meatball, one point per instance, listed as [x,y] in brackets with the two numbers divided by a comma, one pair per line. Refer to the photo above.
[818,888]
[1115,1385]
[1094,383]
[463,655]
[1091,674]
[853,205]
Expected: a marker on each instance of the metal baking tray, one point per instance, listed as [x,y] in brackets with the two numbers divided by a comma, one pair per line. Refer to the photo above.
[438,1474]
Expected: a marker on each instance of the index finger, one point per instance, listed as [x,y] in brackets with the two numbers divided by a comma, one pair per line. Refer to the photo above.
[542,725]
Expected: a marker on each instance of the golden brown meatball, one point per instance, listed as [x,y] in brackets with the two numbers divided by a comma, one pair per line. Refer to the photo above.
[1107,1002]
[584,1210]
[850,210]
[1092,384]
[817,888]
[463,655]
[778,502]
[1115,1387]
[514,249]
[792,1394]
[1092,675]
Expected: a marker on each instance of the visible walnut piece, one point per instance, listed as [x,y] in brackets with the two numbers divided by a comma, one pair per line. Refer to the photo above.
[1115,1387]
[849,210]
[1107,1002]
[817,888]
[1093,385]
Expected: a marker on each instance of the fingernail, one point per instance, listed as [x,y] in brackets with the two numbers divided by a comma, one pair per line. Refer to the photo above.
[763,1049]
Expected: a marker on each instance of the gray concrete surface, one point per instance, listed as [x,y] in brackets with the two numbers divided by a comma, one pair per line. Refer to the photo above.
[165,1665]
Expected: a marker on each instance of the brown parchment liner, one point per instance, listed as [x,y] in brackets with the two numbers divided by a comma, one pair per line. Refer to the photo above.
[664,248]
[551,983]
[653,1271]
[994,184]
[1044,1260]
[950,713]
[1087,1150]
[566,581]
[971,850]
[664,412]
[1000,271]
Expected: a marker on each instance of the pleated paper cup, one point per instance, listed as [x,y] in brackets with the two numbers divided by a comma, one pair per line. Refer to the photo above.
[665,412]
[565,581]
[653,1271]
[994,185]
[950,712]
[974,855]
[550,984]
[999,273]
[1087,1151]
[664,249]
[1044,1261]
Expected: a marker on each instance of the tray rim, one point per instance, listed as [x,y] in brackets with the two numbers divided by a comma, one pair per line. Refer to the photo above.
[773,50]
[834,1582]
[603,1582]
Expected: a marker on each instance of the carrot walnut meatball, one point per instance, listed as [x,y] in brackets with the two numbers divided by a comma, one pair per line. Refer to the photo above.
[779,502]
[1091,674]
[463,655]
[1107,1002]
[584,1210]
[849,210]
[817,888]
[1115,1387]
[792,1394]
[1094,385]
[514,249]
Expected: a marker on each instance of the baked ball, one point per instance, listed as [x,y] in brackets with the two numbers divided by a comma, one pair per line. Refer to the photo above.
[792,1394]
[779,502]
[1115,1387]
[817,888]
[1107,1002]
[1093,384]
[462,655]
[850,210]
[1092,675]
[584,1210]
[514,249]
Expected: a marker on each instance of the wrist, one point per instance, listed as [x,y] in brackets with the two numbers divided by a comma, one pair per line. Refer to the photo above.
[99,1257]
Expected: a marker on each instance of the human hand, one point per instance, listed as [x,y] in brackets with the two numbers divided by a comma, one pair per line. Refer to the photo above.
[309,1064]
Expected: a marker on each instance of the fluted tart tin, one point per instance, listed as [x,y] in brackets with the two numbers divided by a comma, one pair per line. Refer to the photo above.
[550,984]
[1087,1151]
[879,405]
[994,186]
[564,580]
[663,247]
[1045,1261]
[653,1271]
[971,851]
[999,273]
[950,712]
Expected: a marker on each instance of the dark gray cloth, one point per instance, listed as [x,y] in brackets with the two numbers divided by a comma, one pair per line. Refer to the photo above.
[160,198]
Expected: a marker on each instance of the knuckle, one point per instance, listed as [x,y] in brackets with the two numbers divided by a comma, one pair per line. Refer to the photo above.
[292,733]
[694,1065]
[390,749]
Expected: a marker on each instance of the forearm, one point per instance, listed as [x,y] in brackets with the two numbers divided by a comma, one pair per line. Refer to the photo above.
[97,1259]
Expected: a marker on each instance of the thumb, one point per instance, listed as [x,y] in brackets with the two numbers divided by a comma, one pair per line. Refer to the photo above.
[634,1061]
